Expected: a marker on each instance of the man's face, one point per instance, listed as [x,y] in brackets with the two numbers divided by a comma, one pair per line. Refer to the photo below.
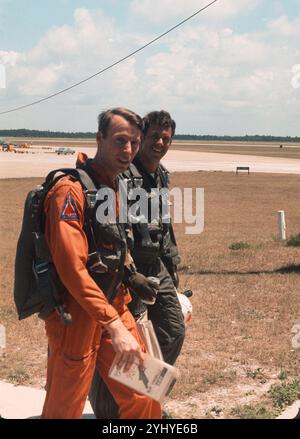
[156,143]
[118,148]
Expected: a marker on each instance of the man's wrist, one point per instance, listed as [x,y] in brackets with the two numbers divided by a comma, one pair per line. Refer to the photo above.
[114,326]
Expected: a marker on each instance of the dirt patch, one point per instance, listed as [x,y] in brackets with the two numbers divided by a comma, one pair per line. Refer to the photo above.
[220,402]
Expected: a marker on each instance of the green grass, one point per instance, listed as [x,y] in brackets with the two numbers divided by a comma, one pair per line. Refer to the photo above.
[249,411]
[283,375]
[239,246]
[285,394]
[257,374]
[18,376]
[294,241]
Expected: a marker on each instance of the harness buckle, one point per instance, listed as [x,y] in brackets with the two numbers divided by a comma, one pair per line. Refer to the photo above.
[41,268]
[91,197]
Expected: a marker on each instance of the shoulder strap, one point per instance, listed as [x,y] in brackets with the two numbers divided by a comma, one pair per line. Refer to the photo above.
[133,177]
[134,171]
[163,168]
[163,174]
[79,174]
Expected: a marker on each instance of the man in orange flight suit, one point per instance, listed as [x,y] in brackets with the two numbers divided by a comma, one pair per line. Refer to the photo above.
[99,329]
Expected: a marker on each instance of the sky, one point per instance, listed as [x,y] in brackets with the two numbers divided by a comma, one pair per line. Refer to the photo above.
[234,69]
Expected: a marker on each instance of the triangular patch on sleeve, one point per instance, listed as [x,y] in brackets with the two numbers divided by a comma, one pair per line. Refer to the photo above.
[69,211]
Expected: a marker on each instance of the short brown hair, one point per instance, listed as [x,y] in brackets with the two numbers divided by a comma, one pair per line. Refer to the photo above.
[105,117]
[161,118]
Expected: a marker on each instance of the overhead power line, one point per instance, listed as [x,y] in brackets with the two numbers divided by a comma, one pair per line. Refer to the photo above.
[113,64]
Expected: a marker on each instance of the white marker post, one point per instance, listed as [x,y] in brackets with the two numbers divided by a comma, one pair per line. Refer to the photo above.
[2,339]
[281,225]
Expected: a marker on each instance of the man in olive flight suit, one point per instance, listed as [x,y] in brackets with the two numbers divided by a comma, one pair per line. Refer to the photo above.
[155,254]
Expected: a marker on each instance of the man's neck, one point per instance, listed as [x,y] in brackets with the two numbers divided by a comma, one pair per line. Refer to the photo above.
[148,166]
[102,173]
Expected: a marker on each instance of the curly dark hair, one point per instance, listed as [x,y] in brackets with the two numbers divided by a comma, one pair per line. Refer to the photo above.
[161,118]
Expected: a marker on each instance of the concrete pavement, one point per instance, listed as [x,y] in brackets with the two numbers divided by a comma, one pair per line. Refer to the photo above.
[291,412]
[20,402]
[39,164]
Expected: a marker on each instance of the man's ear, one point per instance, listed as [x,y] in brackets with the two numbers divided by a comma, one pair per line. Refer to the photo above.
[99,138]
[142,139]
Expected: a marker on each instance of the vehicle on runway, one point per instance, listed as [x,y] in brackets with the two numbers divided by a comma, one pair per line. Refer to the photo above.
[65,151]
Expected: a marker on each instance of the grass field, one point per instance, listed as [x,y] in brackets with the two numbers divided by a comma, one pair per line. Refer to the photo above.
[246,301]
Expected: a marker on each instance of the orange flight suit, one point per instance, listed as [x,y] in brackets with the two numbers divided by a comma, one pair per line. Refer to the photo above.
[77,349]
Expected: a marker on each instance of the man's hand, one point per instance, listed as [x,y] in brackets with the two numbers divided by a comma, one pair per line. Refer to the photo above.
[144,287]
[125,345]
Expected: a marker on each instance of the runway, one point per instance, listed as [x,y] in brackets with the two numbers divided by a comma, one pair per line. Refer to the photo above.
[38,162]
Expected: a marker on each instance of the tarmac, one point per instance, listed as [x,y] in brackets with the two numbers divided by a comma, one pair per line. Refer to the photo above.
[38,164]
[20,402]
[292,412]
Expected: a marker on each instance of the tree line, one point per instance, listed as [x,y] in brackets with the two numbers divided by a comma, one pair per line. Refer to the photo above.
[90,135]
